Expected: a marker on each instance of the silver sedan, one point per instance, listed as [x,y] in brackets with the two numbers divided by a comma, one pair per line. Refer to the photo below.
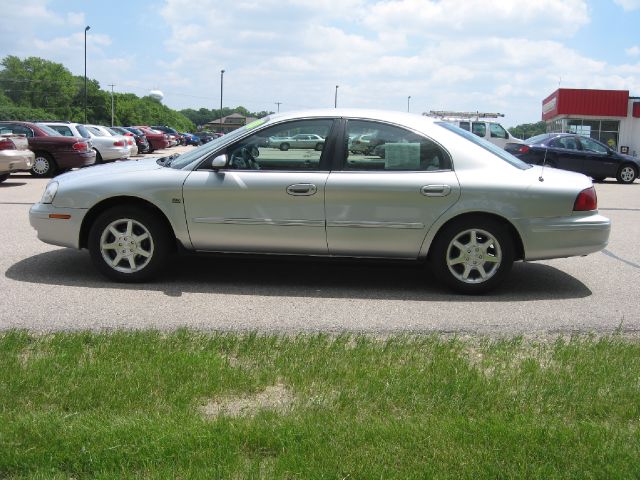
[440,195]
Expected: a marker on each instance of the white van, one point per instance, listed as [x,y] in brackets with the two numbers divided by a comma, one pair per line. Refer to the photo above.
[490,130]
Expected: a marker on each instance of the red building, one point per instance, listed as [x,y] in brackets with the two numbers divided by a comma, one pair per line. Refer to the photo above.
[611,116]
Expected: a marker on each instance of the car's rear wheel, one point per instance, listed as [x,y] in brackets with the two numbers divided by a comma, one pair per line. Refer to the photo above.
[4,176]
[319,146]
[98,156]
[43,165]
[129,244]
[627,173]
[284,147]
[472,255]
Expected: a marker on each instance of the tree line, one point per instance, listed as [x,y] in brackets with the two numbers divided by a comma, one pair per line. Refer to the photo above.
[37,89]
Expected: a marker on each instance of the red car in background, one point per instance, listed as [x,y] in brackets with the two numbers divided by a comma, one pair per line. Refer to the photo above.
[53,152]
[157,140]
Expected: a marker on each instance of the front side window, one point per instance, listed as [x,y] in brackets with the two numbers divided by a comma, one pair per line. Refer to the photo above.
[379,146]
[592,146]
[291,146]
[497,131]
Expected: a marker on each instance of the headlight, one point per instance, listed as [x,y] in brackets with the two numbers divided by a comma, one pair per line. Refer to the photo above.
[49,193]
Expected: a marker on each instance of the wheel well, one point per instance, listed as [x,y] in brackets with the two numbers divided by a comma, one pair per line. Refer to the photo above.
[517,241]
[98,208]
[629,164]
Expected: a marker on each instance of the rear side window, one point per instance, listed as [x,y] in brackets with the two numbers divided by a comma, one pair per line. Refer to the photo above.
[497,131]
[379,146]
[479,129]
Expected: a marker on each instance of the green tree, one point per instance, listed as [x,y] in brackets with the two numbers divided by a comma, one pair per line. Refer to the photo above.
[527,130]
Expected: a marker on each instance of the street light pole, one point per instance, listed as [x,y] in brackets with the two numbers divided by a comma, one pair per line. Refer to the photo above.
[278,104]
[408,100]
[85,72]
[335,101]
[221,83]
[112,109]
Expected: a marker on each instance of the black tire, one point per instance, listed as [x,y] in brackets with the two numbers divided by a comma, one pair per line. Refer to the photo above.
[4,176]
[319,146]
[284,147]
[491,253]
[43,165]
[627,173]
[598,179]
[98,156]
[151,149]
[144,240]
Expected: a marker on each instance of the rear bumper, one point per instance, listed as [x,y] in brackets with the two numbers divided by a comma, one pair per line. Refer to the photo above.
[75,159]
[15,160]
[560,237]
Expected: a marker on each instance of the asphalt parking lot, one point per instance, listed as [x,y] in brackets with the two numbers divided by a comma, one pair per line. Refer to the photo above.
[47,288]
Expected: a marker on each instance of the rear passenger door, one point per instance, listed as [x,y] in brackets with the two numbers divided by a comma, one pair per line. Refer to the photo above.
[383,202]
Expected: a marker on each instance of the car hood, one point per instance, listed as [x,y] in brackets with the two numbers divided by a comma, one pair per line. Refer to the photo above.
[114,168]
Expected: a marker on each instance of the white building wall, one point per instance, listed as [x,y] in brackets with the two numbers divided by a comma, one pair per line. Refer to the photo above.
[630,131]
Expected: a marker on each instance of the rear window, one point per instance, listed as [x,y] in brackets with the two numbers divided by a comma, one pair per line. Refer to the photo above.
[537,139]
[497,151]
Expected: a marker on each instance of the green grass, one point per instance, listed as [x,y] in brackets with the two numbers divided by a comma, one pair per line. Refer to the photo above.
[130,405]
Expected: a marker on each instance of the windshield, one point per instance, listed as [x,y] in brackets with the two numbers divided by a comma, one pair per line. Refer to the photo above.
[499,152]
[203,150]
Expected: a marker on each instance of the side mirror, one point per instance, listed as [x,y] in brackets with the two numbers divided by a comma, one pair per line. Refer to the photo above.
[219,162]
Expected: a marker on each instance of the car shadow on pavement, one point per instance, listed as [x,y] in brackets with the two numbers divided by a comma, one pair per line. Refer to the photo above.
[297,278]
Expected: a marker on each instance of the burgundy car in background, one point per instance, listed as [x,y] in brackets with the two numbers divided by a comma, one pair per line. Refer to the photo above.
[157,140]
[53,152]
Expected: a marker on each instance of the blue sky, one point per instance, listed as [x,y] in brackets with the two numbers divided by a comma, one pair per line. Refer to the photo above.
[447,54]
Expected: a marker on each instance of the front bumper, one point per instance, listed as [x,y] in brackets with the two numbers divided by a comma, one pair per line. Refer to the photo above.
[561,237]
[53,226]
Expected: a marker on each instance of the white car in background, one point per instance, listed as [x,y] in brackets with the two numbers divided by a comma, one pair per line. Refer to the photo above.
[14,155]
[110,145]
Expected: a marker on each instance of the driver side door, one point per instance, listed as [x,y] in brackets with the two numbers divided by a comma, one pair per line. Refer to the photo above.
[265,200]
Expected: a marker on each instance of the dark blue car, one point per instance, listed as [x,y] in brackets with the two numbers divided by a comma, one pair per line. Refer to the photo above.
[577,153]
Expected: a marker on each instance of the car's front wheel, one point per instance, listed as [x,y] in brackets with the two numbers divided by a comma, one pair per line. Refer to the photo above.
[472,255]
[627,174]
[284,147]
[129,244]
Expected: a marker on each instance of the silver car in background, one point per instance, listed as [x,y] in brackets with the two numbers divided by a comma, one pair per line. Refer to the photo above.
[14,155]
[109,145]
[440,195]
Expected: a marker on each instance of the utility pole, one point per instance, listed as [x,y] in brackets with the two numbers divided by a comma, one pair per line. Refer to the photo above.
[85,72]
[221,81]
[335,101]
[408,100]
[278,104]
[112,85]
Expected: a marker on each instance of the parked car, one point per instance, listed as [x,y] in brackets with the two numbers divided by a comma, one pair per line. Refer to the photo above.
[157,139]
[206,137]
[139,137]
[174,137]
[364,144]
[190,139]
[441,195]
[109,144]
[578,154]
[14,155]
[301,140]
[53,152]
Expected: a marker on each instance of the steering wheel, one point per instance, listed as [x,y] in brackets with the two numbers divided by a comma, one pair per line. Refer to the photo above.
[244,158]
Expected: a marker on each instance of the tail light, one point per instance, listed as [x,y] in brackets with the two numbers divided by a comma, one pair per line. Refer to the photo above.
[129,134]
[586,200]
[130,141]
[118,143]
[523,149]
[80,147]
[7,144]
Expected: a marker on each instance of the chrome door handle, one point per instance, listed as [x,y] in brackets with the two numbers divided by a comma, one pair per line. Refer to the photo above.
[302,189]
[435,190]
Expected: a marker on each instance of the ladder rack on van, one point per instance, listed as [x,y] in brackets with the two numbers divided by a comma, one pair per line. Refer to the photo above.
[462,115]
